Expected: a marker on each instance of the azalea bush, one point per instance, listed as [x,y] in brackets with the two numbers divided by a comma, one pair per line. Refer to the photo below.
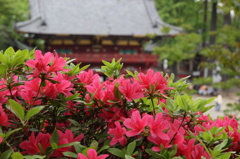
[53,108]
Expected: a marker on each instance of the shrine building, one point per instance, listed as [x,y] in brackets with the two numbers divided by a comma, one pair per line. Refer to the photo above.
[94,30]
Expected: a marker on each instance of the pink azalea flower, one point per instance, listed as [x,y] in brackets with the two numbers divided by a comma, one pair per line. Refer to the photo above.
[57,64]
[87,77]
[66,138]
[136,124]
[153,81]
[118,134]
[131,90]
[31,147]
[192,151]
[53,89]
[1,139]
[41,64]
[91,154]
[3,117]
[107,94]
[159,141]
[176,133]
[3,93]
[32,85]
[29,96]
[110,114]
[158,125]
[95,88]
[199,152]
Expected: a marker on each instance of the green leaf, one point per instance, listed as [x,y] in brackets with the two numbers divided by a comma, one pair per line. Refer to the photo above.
[84,67]
[72,97]
[54,139]
[11,132]
[3,59]
[70,154]
[17,109]
[79,148]
[106,63]
[34,157]
[17,155]
[54,146]
[33,111]
[94,144]
[128,157]
[9,52]
[69,144]
[181,100]
[74,122]
[224,156]
[130,148]
[220,146]
[6,154]
[75,70]
[52,81]
[103,148]
[17,61]
[3,70]
[116,152]
[116,91]
[154,154]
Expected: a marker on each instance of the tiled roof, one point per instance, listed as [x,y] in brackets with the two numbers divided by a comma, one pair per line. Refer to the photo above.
[95,17]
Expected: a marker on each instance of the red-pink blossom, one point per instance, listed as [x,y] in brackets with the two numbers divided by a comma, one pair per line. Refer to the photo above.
[32,85]
[91,154]
[65,138]
[4,92]
[87,77]
[118,134]
[136,124]
[41,64]
[158,141]
[3,117]
[57,64]
[192,151]
[31,147]
[107,94]
[53,89]
[29,96]
[110,114]
[103,92]
[158,126]
[95,88]
[131,89]
[153,81]
[176,132]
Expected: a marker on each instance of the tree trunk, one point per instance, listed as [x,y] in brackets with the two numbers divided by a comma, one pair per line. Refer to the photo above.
[227,19]
[213,21]
[175,69]
[204,33]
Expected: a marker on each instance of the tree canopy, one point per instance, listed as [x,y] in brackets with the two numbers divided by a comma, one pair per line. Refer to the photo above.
[11,11]
[211,30]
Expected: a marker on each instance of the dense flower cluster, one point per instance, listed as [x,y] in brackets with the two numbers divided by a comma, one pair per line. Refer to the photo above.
[52,108]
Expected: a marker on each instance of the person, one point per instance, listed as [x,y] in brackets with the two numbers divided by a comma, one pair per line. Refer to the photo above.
[203,90]
[218,101]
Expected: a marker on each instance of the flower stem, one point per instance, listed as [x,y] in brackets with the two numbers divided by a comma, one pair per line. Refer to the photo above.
[154,112]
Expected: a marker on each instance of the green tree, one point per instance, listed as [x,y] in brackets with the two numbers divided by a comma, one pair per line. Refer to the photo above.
[207,19]
[182,47]
[11,11]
